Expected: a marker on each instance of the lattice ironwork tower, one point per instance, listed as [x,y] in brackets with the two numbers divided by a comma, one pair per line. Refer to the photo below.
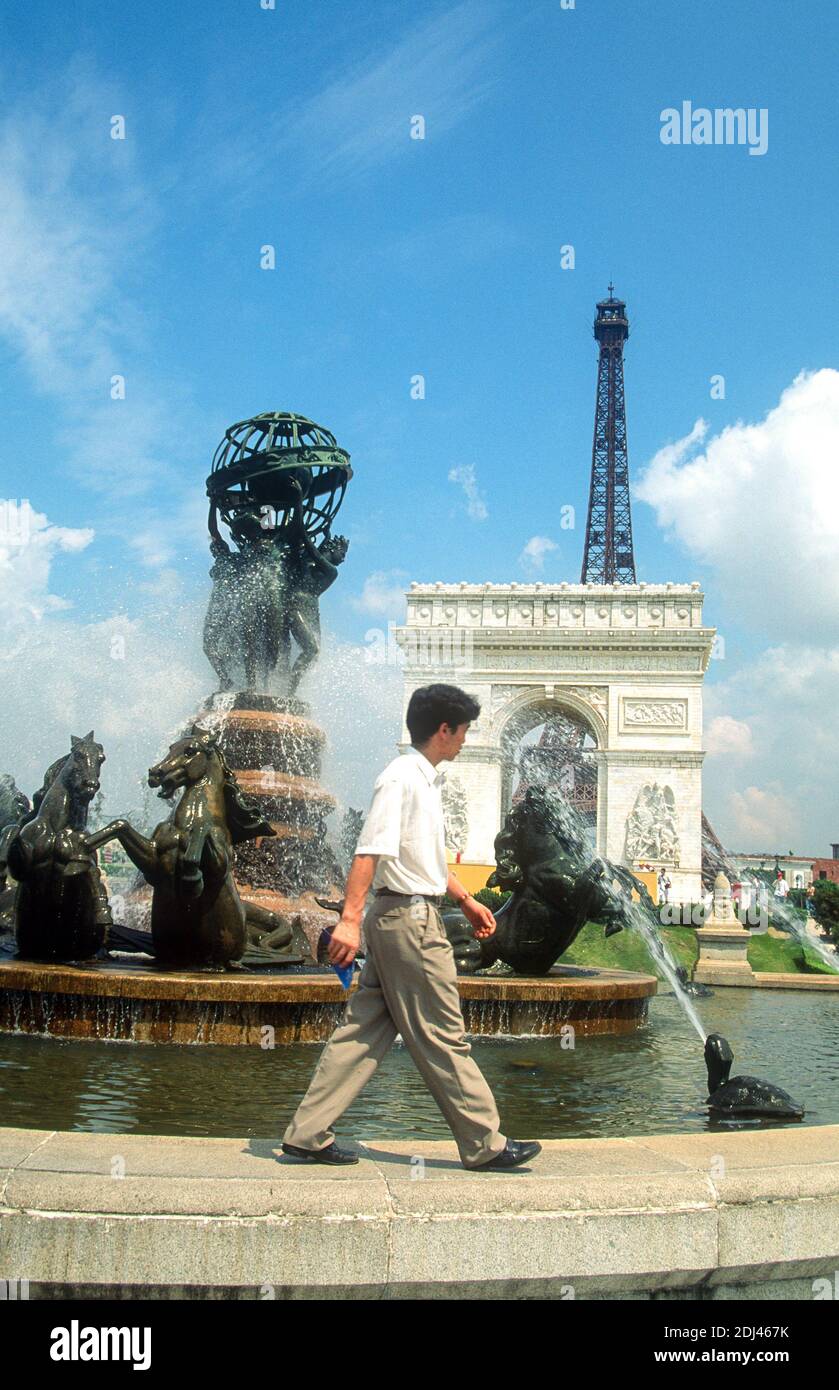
[608,557]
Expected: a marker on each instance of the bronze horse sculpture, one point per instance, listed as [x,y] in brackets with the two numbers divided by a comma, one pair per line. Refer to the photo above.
[556,886]
[60,904]
[198,919]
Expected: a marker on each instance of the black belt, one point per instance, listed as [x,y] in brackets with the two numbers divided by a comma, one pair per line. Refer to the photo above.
[435,898]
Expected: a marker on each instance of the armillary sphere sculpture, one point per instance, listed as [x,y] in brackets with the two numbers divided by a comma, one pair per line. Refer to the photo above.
[277,483]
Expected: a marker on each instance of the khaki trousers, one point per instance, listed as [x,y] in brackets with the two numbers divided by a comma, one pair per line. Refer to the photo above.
[408,985]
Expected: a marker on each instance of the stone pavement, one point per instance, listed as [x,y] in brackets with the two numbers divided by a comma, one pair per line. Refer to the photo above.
[724,1214]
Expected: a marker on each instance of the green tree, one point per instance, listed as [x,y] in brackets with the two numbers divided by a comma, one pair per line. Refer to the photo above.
[826,906]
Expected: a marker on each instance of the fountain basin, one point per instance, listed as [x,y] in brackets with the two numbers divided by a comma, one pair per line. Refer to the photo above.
[136,1002]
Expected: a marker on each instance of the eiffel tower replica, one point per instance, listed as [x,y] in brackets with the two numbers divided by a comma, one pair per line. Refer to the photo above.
[608,557]
[561,758]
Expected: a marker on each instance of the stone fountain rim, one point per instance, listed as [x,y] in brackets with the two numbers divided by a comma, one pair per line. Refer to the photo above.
[148,982]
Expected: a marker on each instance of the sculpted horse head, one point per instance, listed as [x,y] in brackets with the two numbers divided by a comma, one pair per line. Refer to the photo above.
[75,774]
[61,908]
[199,755]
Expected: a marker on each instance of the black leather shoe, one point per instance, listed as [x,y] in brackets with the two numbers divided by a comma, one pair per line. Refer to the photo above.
[514,1154]
[331,1154]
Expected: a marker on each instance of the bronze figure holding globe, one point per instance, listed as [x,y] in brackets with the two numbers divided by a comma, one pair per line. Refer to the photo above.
[277,482]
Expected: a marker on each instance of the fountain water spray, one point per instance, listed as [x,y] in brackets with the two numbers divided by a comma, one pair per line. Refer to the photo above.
[568,818]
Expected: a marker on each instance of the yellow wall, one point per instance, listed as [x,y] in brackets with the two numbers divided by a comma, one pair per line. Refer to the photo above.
[472,876]
[650,879]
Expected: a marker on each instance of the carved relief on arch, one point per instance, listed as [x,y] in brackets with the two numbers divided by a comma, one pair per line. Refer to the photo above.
[596,696]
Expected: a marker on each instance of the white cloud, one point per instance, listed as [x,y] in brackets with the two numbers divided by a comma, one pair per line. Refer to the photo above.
[134,681]
[532,557]
[28,545]
[359,704]
[730,738]
[762,819]
[137,681]
[76,219]
[759,504]
[383,592]
[784,700]
[475,502]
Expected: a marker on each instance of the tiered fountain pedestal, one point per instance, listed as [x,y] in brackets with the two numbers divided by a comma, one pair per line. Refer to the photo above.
[274,748]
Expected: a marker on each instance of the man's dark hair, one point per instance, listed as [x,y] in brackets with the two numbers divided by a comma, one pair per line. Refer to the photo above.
[433,705]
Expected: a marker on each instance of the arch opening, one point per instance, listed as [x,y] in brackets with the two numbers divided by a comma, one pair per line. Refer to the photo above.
[550,745]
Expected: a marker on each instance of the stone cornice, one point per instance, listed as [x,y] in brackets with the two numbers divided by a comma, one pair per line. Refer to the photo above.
[605,664]
[534,680]
[503,638]
[439,589]
[585,608]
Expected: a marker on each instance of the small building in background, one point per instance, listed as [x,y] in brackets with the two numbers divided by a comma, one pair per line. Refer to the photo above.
[827,868]
[797,869]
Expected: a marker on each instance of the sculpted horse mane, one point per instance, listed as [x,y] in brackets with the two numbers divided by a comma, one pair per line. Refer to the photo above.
[541,812]
[244,821]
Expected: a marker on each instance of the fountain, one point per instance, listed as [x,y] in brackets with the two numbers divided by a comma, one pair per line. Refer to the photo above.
[232,876]
[237,881]
[797,926]
[277,482]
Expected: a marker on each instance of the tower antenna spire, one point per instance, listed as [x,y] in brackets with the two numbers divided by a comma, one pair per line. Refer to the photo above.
[608,557]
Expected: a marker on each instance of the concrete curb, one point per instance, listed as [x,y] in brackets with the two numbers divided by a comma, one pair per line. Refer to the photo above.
[712,1215]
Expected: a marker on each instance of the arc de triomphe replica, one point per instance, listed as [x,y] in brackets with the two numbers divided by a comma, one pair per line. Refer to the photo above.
[624,662]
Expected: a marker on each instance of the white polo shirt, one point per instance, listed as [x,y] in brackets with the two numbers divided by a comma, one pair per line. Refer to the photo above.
[404,826]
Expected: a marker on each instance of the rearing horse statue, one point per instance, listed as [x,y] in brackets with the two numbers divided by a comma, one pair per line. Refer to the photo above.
[198,918]
[61,906]
[557,886]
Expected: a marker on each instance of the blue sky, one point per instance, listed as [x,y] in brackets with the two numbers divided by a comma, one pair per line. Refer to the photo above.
[291,127]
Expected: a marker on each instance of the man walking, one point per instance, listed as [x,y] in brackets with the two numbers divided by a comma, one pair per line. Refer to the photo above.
[408,984]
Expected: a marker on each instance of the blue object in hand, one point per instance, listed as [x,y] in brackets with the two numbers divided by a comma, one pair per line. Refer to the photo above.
[344,972]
